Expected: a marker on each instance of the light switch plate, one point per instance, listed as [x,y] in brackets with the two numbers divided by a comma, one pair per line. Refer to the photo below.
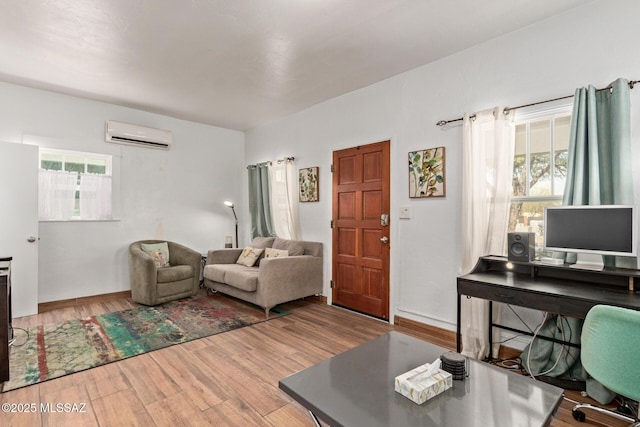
[405,212]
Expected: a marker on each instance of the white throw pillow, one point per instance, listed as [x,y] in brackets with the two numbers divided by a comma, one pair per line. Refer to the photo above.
[249,256]
[275,253]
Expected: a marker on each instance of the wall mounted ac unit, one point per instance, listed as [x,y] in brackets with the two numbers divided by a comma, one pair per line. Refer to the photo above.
[139,136]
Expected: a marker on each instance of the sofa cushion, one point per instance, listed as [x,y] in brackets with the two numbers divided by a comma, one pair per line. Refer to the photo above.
[215,272]
[244,278]
[262,242]
[158,251]
[275,253]
[174,288]
[236,275]
[175,273]
[249,256]
[294,247]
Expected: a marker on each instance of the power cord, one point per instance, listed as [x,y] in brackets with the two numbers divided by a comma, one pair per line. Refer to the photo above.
[511,364]
[519,318]
[12,343]
[564,350]
[627,406]
[523,322]
[535,334]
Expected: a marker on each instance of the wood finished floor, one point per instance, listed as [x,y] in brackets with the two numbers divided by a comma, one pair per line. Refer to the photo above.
[229,379]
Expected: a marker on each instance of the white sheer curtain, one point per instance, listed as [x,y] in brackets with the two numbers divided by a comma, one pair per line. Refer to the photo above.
[487,165]
[56,195]
[95,196]
[284,199]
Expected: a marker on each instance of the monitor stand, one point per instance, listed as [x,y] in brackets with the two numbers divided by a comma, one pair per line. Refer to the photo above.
[589,262]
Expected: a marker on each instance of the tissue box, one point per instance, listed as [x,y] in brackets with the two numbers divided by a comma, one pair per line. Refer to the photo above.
[421,390]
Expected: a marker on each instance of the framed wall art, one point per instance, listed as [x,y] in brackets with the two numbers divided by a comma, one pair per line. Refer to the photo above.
[427,173]
[308,185]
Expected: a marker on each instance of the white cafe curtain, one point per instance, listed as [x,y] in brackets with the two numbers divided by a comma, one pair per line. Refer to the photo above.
[487,165]
[56,194]
[95,196]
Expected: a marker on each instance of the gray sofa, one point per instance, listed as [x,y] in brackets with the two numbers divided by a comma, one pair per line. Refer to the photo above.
[271,281]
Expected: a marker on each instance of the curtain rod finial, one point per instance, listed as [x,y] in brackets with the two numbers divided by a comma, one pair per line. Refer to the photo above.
[441,123]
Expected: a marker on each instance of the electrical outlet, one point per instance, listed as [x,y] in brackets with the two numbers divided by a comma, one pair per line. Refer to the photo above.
[405,212]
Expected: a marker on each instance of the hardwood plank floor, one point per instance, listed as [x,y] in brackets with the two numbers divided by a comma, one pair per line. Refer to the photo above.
[226,379]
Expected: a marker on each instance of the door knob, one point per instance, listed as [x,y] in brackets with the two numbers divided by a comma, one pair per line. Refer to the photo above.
[31,239]
[384,239]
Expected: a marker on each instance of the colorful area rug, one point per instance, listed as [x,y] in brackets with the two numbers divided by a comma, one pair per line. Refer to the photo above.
[59,349]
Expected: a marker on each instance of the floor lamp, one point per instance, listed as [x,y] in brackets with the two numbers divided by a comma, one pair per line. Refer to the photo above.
[230,204]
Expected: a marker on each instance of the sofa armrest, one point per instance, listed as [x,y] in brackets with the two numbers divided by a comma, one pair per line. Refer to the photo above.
[223,256]
[143,264]
[288,278]
[142,274]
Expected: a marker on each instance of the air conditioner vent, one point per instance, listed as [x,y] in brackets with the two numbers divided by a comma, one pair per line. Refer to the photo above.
[138,136]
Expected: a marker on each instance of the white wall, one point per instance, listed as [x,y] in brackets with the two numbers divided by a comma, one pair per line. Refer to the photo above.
[593,44]
[175,195]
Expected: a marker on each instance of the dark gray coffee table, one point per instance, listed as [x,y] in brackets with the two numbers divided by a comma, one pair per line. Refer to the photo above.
[356,388]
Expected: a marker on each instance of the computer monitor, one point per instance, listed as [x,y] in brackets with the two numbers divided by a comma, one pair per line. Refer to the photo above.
[591,231]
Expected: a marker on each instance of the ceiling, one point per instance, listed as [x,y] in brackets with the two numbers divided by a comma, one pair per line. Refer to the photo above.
[239,63]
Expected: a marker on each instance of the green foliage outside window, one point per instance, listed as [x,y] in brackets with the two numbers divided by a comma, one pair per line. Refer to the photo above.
[539,173]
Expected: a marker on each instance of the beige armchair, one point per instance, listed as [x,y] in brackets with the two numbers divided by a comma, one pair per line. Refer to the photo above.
[151,285]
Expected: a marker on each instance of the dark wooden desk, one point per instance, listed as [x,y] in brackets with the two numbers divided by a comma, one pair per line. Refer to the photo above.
[554,289]
[5,317]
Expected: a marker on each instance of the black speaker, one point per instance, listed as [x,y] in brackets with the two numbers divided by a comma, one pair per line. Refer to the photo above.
[522,246]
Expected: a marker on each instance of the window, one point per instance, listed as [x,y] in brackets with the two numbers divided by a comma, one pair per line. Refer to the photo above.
[74,185]
[539,169]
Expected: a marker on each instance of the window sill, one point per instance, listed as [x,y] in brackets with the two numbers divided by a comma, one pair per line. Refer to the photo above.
[79,220]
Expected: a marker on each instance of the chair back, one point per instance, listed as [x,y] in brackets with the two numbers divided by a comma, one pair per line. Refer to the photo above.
[611,348]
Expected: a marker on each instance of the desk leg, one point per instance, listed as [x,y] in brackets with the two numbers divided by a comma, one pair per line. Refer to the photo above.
[458,330]
[490,356]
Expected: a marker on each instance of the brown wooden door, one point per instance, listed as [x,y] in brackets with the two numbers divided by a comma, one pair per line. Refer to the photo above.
[360,269]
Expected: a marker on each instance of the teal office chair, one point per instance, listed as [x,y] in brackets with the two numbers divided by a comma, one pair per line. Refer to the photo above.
[611,355]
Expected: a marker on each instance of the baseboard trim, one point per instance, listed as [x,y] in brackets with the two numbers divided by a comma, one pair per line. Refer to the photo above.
[73,302]
[445,336]
[508,353]
[434,332]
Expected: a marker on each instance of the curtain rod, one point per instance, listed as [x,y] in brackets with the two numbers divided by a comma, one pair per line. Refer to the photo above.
[506,110]
[286,159]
